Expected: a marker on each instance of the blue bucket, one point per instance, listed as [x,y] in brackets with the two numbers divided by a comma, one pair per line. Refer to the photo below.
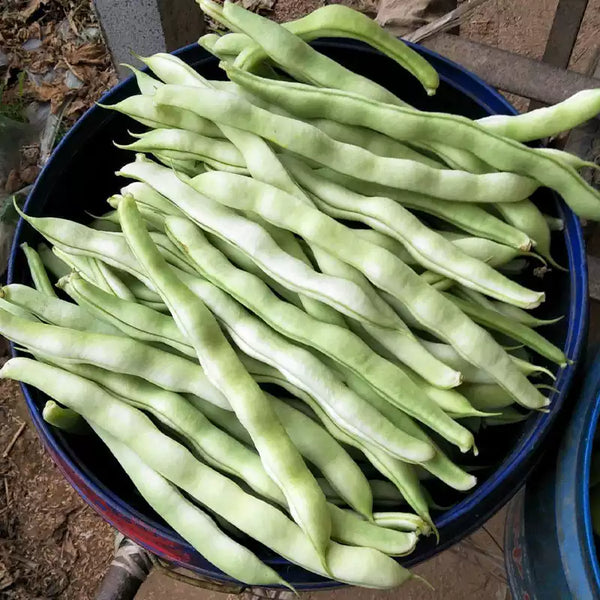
[550,547]
[80,176]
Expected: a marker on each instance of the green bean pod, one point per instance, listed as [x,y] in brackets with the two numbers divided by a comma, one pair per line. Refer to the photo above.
[404,124]
[37,270]
[296,57]
[193,524]
[56,311]
[310,142]
[350,528]
[381,267]
[338,343]
[340,471]
[433,251]
[64,418]
[546,121]
[120,354]
[251,515]
[144,110]
[257,243]
[522,333]
[132,319]
[279,456]
[463,215]
[180,143]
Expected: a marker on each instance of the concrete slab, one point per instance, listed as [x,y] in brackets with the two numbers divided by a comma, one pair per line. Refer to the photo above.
[146,27]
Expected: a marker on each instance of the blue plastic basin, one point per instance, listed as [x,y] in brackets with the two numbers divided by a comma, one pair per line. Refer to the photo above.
[80,176]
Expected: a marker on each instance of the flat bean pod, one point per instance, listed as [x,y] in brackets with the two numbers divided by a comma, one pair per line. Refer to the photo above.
[130,318]
[257,243]
[352,529]
[337,20]
[37,271]
[433,251]
[193,524]
[296,57]
[401,344]
[338,343]
[546,121]
[522,333]
[55,311]
[404,124]
[111,352]
[279,456]
[181,143]
[207,441]
[346,478]
[382,268]
[440,465]
[64,418]
[308,141]
[463,215]
[144,110]
[215,491]
[401,474]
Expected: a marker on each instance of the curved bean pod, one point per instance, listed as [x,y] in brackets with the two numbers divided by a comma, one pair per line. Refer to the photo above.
[338,343]
[279,456]
[346,477]
[401,474]
[402,522]
[440,465]
[146,83]
[351,529]
[433,251]
[526,217]
[387,272]
[463,215]
[404,124]
[401,344]
[212,489]
[337,20]
[144,110]
[344,406]
[193,524]
[215,447]
[547,121]
[132,319]
[487,396]
[181,143]
[296,57]
[37,270]
[308,141]
[498,322]
[258,244]
[64,418]
[111,352]
[56,311]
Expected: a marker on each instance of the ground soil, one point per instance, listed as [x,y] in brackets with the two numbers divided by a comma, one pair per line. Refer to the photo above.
[51,544]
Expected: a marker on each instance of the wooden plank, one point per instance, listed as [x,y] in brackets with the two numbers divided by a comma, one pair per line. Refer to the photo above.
[512,72]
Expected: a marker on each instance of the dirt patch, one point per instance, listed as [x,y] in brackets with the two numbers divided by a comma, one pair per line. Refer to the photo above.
[52,545]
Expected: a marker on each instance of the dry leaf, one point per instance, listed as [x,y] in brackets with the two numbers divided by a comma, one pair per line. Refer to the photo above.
[31,7]
[91,54]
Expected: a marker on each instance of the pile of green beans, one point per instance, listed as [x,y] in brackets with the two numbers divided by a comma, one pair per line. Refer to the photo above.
[308,287]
